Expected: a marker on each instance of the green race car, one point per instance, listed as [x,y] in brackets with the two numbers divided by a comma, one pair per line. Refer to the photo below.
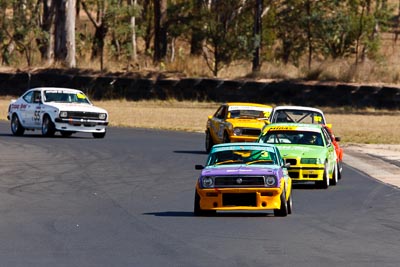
[309,150]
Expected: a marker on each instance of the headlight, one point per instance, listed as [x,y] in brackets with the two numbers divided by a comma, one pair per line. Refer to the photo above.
[102,116]
[270,180]
[63,114]
[207,182]
[311,161]
[237,131]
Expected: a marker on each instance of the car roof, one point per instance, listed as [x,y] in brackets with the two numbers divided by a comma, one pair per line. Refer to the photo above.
[247,104]
[55,88]
[293,127]
[243,144]
[298,108]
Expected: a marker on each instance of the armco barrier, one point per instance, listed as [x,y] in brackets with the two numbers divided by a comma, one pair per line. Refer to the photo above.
[218,90]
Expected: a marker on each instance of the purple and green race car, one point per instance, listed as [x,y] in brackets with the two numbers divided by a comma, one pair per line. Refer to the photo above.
[243,176]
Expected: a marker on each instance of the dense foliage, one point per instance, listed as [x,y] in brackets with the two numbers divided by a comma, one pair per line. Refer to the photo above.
[221,32]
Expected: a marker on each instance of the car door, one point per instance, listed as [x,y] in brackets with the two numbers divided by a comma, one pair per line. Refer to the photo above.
[331,150]
[32,112]
[217,124]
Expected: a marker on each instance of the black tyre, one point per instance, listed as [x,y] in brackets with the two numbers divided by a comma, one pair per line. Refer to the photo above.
[48,128]
[66,133]
[16,127]
[209,141]
[335,178]
[197,210]
[283,210]
[290,204]
[226,138]
[324,184]
[99,135]
[340,169]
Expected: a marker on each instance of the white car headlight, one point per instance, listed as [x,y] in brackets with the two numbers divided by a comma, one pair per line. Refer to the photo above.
[63,114]
[207,182]
[102,116]
[237,131]
[270,180]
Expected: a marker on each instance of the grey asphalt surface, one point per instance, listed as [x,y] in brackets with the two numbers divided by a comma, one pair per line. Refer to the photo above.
[379,161]
[127,200]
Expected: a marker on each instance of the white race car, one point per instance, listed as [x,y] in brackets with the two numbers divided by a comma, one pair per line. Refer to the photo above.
[52,109]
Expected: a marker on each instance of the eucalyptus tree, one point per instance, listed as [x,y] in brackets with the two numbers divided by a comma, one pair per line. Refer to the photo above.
[19,29]
[228,33]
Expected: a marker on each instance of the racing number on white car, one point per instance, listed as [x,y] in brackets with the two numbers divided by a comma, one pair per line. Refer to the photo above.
[36,116]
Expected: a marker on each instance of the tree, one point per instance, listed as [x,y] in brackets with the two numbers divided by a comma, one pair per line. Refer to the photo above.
[65,32]
[160,30]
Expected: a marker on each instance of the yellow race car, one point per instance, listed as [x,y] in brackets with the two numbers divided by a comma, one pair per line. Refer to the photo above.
[236,122]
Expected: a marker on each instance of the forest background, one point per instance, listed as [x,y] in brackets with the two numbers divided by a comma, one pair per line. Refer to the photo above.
[352,41]
[334,40]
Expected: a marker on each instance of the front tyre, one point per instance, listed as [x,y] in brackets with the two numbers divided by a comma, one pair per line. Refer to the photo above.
[48,127]
[16,127]
[290,204]
[197,209]
[209,141]
[335,177]
[324,184]
[99,135]
[283,210]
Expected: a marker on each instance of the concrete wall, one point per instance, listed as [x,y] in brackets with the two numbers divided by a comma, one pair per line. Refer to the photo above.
[279,92]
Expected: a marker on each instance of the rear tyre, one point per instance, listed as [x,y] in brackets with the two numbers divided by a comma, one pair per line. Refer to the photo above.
[48,128]
[209,141]
[283,210]
[16,127]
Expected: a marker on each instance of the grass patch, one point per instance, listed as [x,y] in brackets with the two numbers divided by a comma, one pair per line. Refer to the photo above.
[367,126]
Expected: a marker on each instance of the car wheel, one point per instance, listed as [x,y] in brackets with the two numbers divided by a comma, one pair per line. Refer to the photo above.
[290,204]
[340,168]
[66,133]
[48,128]
[324,184]
[209,141]
[334,179]
[197,210]
[16,127]
[283,210]
[99,135]
[226,138]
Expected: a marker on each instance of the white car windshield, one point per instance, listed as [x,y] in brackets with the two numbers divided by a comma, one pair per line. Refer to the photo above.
[65,97]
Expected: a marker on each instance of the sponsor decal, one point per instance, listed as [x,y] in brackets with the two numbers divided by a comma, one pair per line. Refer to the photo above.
[81,96]
[268,110]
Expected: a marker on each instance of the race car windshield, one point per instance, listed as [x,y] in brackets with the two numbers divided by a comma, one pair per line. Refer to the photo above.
[248,157]
[65,97]
[246,114]
[298,116]
[293,137]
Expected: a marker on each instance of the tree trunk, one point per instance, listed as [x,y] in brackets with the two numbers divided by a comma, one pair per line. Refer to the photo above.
[46,46]
[133,27]
[160,30]
[65,32]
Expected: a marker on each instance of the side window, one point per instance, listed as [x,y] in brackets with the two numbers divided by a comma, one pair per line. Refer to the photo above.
[220,114]
[327,137]
[28,97]
[36,97]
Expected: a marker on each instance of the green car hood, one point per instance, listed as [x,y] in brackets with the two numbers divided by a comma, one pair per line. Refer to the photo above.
[302,151]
